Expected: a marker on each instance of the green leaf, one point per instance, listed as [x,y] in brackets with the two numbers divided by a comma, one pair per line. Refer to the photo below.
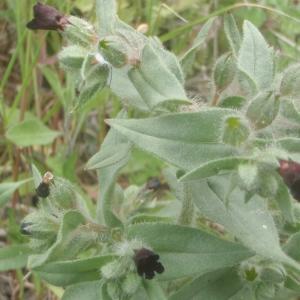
[154,81]
[37,177]
[107,175]
[224,72]
[30,133]
[214,167]
[122,86]
[232,34]
[182,139]
[72,57]
[236,131]
[234,102]
[188,251]
[14,257]
[292,246]
[290,109]
[85,290]
[290,83]
[255,57]
[106,11]
[63,273]
[263,109]
[94,78]
[248,85]
[8,188]
[217,285]
[63,246]
[109,157]
[188,58]
[153,290]
[168,58]
[250,222]
[284,201]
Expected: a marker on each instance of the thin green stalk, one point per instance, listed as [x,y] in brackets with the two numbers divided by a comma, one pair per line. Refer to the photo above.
[187,209]
[184,28]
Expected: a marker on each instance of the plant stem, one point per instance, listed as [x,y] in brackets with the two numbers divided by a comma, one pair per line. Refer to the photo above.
[215,99]
[187,210]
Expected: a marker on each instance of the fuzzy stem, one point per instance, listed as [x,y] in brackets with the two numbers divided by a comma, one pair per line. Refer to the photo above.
[215,99]
[187,210]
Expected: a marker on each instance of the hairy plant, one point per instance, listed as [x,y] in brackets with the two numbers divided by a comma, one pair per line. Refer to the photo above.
[233,170]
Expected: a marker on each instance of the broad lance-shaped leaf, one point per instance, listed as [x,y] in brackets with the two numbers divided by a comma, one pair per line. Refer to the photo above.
[290,83]
[214,167]
[30,133]
[8,188]
[122,86]
[61,247]
[255,57]
[85,290]
[154,290]
[188,58]
[250,222]
[292,246]
[232,34]
[263,109]
[63,273]
[168,58]
[107,175]
[154,81]
[290,109]
[186,251]
[14,257]
[219,285]
[104,159]
[95,73]
[37,176]
[182,139]
[106,11]
[224,72]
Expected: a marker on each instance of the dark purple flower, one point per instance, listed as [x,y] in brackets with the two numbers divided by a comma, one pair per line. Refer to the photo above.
[147,263]
[153,184]
[24,228]
[290,172]
[47,18]
[43,190]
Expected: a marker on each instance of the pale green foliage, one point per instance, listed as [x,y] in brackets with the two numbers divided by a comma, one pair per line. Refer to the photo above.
[220,231]
[263,109]
[232,34]
[31,132]
[224,72]
[255,57]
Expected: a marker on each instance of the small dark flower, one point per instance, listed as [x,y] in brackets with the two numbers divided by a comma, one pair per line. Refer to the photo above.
[34,200]
[153,184]
[147,263]
[43,190]
[290,172]
[24,228]
[47,18]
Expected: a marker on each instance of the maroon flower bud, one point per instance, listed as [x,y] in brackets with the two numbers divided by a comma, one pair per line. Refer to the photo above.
[47,18]
[290,172]
[43,190]
[24,228]
[147,263]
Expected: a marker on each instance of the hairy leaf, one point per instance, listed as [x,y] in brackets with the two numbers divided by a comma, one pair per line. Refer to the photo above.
[182,139]
[30,133]
[188,251]
[255,57]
